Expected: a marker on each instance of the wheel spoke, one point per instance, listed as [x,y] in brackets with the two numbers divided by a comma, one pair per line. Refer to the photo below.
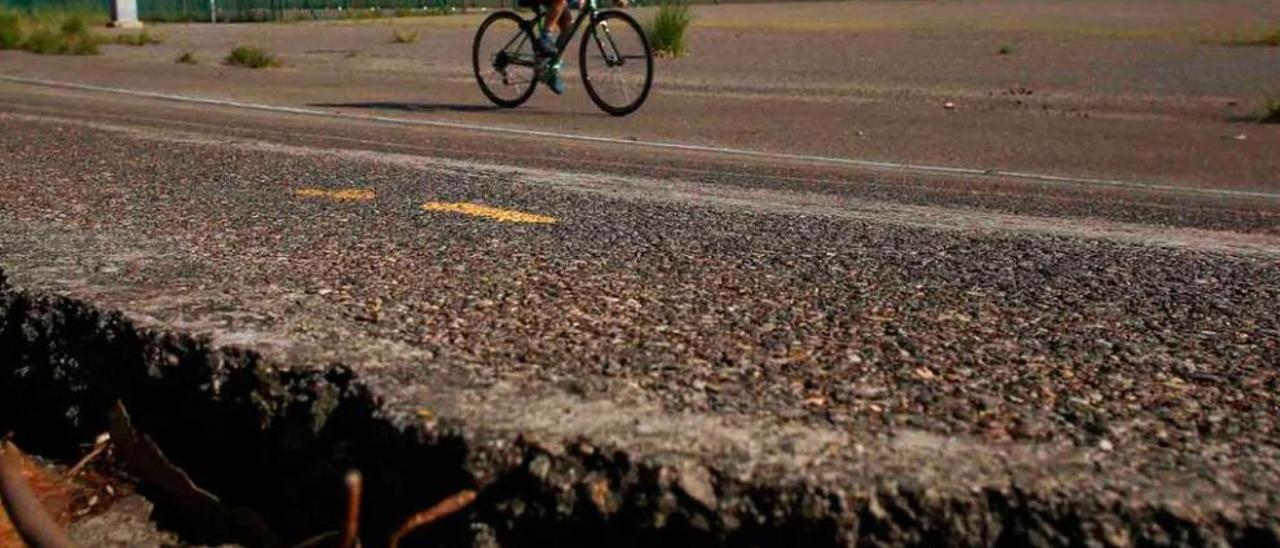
[622,86]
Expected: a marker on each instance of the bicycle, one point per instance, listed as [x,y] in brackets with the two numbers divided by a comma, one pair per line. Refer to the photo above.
[614,57]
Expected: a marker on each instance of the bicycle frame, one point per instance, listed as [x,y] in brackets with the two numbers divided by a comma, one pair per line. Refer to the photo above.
[539,21]
[587,11]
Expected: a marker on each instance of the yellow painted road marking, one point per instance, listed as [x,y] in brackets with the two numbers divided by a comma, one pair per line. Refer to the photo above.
[347,194]
[497,214]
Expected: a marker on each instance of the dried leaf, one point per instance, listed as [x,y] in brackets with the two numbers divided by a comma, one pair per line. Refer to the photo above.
[55,493]
[145,460]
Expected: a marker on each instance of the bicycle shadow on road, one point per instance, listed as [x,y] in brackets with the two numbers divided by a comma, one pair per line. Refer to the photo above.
[412,107]
[430,107]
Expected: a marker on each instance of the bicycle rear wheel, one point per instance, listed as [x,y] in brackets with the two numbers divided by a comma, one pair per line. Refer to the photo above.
[503,59]
[616,63]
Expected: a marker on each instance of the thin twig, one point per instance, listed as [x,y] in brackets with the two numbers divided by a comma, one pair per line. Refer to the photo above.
[27,514]
[355,486]
[447,506]
[99,446]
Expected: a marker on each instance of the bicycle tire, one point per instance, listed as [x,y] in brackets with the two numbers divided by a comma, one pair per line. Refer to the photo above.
[592,38]
[522,96]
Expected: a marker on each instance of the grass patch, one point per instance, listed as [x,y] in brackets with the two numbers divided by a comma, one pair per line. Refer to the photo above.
[187,58]
[13,32]
[1270,39]
[143,38]
[252,57]
[1265,38]
[1005,49]
[59,32]
[404,36]
[1270,109]
[44,40]
[371,13]
[74,24]
[667,28]
[429,11]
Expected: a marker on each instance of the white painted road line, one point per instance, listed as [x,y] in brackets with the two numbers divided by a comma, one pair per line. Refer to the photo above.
[873,164]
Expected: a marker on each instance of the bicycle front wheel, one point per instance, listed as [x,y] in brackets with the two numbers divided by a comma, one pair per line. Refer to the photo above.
[616,63]
[504,60]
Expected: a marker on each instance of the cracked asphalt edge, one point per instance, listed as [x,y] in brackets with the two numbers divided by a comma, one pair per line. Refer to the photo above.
[642,469]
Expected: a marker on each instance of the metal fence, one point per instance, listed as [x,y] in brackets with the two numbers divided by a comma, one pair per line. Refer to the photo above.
[261,10]
[264,10]
[290,10]
[99,6]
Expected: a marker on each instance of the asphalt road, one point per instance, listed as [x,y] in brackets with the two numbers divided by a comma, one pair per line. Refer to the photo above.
[1133,90]
[987,358]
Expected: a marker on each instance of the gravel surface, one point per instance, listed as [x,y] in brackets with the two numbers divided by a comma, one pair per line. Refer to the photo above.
[816,185]
[858,326]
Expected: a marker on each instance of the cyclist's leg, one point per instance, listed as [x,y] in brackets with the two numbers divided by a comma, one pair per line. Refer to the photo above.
[563,25]
[556,16]
[553,14]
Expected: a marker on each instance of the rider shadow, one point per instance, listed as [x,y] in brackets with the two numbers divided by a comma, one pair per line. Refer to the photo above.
[442,107]
[413,107]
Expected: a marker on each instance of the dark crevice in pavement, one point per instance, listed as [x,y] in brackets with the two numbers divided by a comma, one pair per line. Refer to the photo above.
[279,440]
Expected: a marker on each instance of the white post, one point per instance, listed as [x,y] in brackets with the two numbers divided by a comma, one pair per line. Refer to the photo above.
[124,14]
[213,11]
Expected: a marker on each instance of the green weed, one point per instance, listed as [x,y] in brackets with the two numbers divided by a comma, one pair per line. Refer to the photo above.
[252,57]
[667,28]
[49,32]
[187,58]
[1271,39]
[70,20]
[143,38]
[13,32]
[44,40]
[358,14]
[1271,109]
[1266,38]
[74,24]
[404,36]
